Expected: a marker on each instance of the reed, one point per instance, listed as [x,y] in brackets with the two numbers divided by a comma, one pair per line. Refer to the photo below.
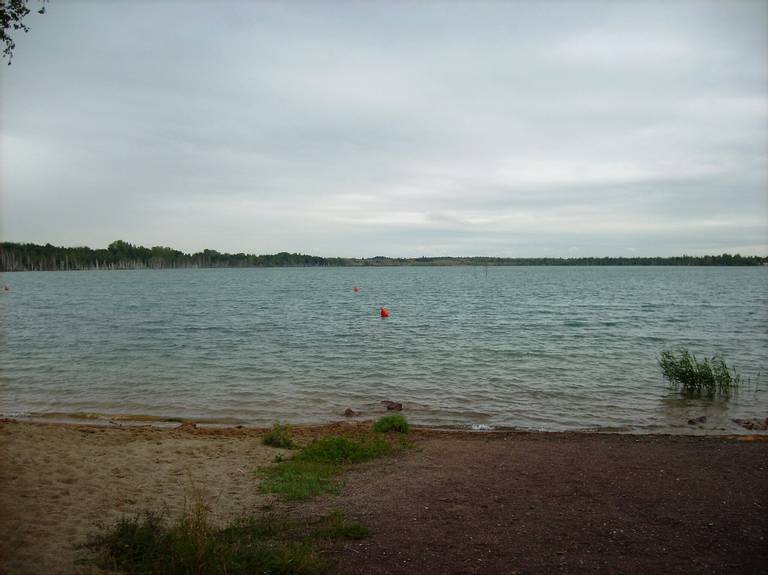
[709,377]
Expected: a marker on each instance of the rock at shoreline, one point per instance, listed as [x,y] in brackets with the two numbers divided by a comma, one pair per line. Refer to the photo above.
[349,412]
[393,405]
[187,425]
[753,424]
[697,420]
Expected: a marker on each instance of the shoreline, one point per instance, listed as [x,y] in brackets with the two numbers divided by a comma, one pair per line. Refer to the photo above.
[60,482]
[743,427]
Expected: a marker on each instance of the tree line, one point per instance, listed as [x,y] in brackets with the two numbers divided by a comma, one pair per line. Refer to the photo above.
[121,255]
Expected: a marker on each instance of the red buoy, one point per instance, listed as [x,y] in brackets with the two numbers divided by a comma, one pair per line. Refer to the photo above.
[384,312]
[355,289]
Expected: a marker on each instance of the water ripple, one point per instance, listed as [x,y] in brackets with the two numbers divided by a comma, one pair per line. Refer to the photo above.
[526,348]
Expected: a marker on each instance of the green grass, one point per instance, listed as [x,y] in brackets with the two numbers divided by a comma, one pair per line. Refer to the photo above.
[297,480]
[393,422]
[344,449]
[710,377]
[335,526]
[311,471]
[149,544]
[279,436]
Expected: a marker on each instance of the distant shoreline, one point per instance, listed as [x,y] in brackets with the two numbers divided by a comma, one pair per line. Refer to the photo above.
[120,255]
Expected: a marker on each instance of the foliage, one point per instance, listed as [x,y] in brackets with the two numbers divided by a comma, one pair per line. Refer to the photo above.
[341,450]
[12,14]
[394,422]
[123,255]
[279,436]
[270,543]
[709,377]
[310,472]
[120,255]
[297,480]
[336,526]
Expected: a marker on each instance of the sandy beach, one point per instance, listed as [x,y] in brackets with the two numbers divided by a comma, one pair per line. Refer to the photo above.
[455,503]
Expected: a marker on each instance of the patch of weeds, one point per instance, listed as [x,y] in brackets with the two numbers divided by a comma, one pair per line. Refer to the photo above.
[279,436]
[310,472]
[395,422]
[343,450]
[149,544]
[710,377]
[296,480]
[336,526]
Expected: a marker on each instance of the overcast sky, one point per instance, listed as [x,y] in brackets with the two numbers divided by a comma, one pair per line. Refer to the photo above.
[404,129]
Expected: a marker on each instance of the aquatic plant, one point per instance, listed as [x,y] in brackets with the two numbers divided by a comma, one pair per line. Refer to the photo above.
[395,422]
[279,436]
[710,377]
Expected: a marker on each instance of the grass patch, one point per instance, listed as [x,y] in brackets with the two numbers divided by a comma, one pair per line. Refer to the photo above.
[149,544]
[335,526]
[710,377]
[310,472]
[395,422]
[279,436]
[344,450]
[296,480]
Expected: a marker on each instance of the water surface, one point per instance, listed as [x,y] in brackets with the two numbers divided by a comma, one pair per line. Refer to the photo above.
[552,348]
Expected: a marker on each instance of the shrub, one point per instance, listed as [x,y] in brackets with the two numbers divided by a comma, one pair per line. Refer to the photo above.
[279,436]
[709,377]
[393,422]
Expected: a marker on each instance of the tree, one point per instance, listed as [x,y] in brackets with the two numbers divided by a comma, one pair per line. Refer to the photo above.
[12,14]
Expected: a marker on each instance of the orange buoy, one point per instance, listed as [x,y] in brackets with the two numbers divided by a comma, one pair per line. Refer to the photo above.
[355,289]
[384,312]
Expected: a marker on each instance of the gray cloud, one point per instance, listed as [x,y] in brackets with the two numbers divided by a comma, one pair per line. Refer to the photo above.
[411,129]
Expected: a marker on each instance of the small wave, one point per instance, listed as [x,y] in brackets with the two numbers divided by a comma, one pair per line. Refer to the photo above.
[129,418]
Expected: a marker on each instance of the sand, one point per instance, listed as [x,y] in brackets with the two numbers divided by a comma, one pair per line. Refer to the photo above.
[456,503]
[58,483]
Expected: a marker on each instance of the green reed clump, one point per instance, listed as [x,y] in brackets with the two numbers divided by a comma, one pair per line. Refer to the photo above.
[395,422]
[279,436]
[710,377]
[149,544]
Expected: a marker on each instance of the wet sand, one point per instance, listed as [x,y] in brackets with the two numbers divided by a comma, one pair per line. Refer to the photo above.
[456,503]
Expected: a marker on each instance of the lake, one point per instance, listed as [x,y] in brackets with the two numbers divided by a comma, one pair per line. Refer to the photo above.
[541,348]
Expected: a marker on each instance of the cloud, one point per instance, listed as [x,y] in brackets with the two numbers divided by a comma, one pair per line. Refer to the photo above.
[358,129]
